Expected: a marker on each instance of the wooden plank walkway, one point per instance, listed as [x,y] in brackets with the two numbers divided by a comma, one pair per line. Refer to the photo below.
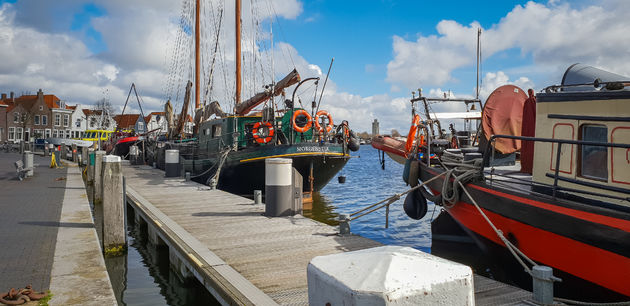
[246,256]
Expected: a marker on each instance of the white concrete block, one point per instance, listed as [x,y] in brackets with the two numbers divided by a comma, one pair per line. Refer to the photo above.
[388,275]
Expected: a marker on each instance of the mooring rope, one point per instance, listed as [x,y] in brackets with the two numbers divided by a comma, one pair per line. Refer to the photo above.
[390,200]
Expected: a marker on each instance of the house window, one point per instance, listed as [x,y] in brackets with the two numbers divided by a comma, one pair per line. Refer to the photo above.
[19,135]
[36,120]
[78,123]
[57,119]
[593,161]
[66,120]
[1,133]
[16,117]
[44,120]
[54,133]
[41,107]
[11,133]
[38,134]
[47,133]
[67,133]
[92,122]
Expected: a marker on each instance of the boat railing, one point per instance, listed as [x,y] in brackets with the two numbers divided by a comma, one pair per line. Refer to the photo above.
[489,150]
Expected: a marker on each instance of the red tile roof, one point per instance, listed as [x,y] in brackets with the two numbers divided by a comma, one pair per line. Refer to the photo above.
[89,112]
[126,121]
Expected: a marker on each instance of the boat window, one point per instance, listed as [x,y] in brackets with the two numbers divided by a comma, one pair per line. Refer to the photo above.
[216,130]
[593,161]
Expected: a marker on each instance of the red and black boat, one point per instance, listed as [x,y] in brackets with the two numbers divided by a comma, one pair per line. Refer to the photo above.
[552,174]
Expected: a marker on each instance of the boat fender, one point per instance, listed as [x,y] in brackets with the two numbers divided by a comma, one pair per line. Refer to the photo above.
[410,172]
[354,144]
[309,121]
[329,126]
[260,137]
[415,205]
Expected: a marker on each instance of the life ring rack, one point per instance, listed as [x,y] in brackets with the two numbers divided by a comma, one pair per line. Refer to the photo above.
[330,124]
[307,126]
[263,138]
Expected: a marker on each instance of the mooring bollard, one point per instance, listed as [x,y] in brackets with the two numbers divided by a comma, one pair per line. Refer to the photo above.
[344,224]
[542,284]
[75,153]
[171,167]
[58,155]
[187,176]
[133,155]
[257,196]
[98,176]
[90,164]
[27,159]
[64,152]
[278,187]
[388,275]
[84,156]
[113,206]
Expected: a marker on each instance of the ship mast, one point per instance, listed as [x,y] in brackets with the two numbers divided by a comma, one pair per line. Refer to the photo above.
[238,52]
[197,53]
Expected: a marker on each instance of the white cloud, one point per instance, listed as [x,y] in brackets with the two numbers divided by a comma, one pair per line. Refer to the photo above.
[555,35]
[493,80]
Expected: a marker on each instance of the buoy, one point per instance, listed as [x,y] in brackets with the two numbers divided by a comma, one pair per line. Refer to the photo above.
[410,172]
[342,179]
[415,205]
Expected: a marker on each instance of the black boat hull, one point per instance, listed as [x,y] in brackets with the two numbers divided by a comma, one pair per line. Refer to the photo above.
[244,171]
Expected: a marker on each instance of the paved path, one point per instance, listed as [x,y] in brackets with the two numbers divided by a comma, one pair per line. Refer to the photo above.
[29,215]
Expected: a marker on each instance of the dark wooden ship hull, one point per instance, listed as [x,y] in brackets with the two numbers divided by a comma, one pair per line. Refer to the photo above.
[244,171]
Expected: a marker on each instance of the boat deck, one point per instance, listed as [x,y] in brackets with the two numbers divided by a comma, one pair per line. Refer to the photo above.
[242,256]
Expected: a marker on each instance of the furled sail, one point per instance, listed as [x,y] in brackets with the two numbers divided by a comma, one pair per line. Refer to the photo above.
[246,106]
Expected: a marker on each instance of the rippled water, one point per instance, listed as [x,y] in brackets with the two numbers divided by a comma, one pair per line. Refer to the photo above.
[366,183]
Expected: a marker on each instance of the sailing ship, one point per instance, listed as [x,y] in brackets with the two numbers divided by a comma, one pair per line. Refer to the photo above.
[549,178]
[228,149]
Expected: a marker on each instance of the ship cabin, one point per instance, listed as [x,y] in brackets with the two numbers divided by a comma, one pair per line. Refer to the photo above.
[219,133]
[600,114]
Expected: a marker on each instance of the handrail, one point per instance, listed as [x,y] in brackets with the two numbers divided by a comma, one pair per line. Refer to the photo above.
[560,142]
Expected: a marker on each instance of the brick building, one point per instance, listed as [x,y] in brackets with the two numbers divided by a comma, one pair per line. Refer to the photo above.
[35,116]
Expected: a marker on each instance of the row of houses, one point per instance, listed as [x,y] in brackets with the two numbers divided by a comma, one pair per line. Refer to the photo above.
[45,115]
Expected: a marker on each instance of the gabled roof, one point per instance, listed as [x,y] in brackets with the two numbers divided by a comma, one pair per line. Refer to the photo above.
[148,118]
[126,121]
[27,101]
[89,112]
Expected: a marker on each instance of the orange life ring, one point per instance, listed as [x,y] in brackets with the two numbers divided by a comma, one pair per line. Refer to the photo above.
[412,133]
[330,121]
[260,138]
[307,126]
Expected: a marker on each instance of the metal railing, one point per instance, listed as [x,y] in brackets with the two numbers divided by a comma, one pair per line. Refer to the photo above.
[489,150]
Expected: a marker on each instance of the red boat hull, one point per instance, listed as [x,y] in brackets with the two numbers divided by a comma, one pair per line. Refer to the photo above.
[589,242]
[388,144]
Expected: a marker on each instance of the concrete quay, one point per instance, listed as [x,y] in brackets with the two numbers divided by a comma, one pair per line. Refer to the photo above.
[48,235]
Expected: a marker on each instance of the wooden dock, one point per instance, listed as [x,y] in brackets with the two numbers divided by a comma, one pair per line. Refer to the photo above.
[241,256]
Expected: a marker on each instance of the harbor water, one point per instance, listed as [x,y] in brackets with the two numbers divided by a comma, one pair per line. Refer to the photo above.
[367,183]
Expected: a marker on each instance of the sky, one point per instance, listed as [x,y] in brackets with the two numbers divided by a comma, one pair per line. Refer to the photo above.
[84,51]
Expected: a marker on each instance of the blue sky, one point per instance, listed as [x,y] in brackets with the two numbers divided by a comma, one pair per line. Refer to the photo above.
[86,50]
[359,35]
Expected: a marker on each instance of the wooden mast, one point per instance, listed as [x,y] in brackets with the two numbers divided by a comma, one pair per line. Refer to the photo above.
[238,52]
[197,53]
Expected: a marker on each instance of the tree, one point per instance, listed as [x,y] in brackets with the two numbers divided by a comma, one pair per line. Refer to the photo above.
[395,133]
[364,135]
[104,108]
